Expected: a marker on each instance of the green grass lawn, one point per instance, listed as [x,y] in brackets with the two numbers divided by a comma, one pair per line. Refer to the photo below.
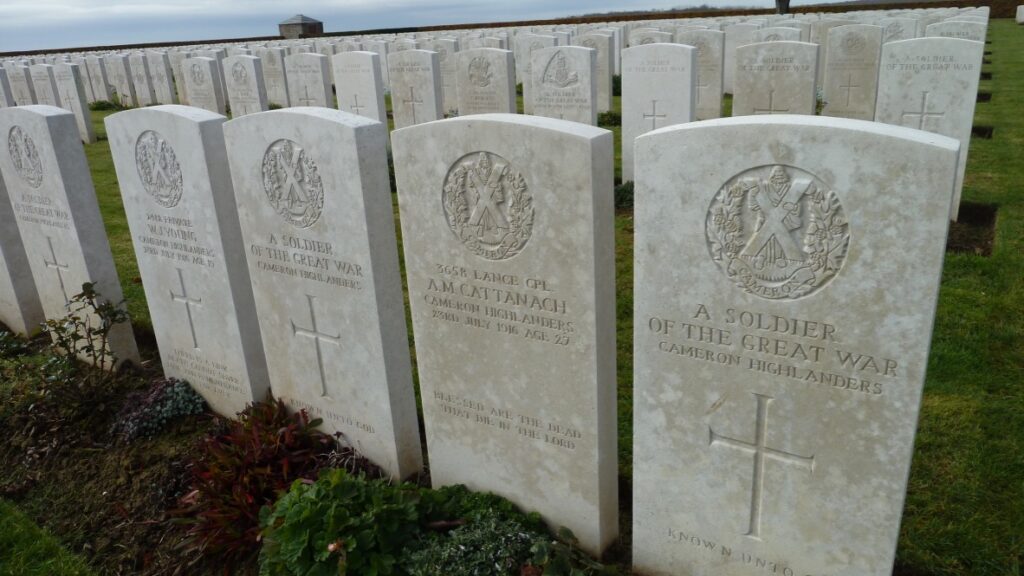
[25,550]
[965,507]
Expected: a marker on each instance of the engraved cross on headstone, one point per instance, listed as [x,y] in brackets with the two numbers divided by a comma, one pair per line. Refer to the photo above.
[923,114]
[653,116]
[356,107]
[68,100]
[317,337]
[189,303]
[59,268]
[771,109]
[848,87]
[761,452]
[412,101]
[307,99]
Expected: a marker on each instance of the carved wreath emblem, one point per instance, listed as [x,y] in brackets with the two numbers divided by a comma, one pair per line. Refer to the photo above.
[292,183]
[238,73]
[557,72]
[25,157]
[197,74]
[158,169]
[894,30]
[480,71]
[488,206]
[854,43]
[778,232]
[773,38]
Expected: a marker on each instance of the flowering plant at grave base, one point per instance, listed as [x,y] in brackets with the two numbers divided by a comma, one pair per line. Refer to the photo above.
[85,330]
[242,467]
[146,413]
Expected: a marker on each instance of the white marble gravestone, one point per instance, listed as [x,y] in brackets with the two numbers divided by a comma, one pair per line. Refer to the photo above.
[485,81]
[659,83]
[529,44]
[447,56]
[203,85]
[21,85]
[309,80]
[274,77]
[172,168]
[898,28]
[851,71]
[359,84]
[119,74]
[507,228]
[318,228]
[710,45]
[44,167]
[177,57]
[98,77]
[563,85]
[162,77]
[6,95]
[777,34]
[415,87]
[644,37]
[44,84]
[932,84]
[775,78]
[777,395]
[604,45]
[83,71]
[20,309]
[246,92]
[71,93]
[958,29]
[140,79]
[819,36]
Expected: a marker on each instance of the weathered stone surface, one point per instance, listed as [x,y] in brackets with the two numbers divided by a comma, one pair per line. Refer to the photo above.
[203,84]
[710,45]
[43,165]
[851,71]
[359,82]
[659,83]
[958,29]
[274,78]
[563,83]
[777,395]
[507,224]
[485,81]
[246,92]
[527,45]
[318,226]
[44,84]
[898,28]
[775,78]
[98,78]
[20,309]
[932,84]
[736,35]
[172,168]
[162,77]
[119,74]
[309,80]
[415,87]
[447,58]
[6,96]
[71,93]
[21,85]
[777,34]
[140,79]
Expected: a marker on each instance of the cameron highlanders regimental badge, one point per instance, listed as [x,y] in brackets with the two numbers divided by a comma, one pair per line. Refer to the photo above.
[488,206]
[292,183]
[777,232]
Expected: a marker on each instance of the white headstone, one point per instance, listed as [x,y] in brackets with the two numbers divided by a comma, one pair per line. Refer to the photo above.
[529,44]
[447,53]
[172,168]
[203,85]
[777,34]
[851,71]
[140,79]
[246,91]
[177,58]
[71,93]
[659,83]
[21,85]
[360,87]
[309,80]
[604,45]
[486,81]
[119,74]
[513,308]
[45,85]
[563,85]
[274,76]
[48,180]
[710,45]
[415,87]
[932,84]
[6,95]
[775,78]
[736,35]
[20,309]
[954,29]
[162,76]
[318,227]
[898,29]
[777,393]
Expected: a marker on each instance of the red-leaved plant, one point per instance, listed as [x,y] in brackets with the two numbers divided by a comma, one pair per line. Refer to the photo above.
[240,469]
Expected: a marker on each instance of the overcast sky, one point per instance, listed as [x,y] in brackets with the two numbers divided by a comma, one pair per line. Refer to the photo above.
[42,24]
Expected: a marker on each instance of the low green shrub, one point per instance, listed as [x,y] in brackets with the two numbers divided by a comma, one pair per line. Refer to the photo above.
[11,346]
[609,118]
[240,469]
[146,413]
[624,196]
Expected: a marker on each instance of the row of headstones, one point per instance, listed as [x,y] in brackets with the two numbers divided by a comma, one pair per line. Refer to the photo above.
[781,327]
[926,83]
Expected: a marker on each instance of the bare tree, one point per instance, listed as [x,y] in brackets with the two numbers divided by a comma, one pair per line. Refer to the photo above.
[782,6]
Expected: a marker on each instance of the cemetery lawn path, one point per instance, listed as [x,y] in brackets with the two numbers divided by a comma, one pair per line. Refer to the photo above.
[964,512]
[26,550]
